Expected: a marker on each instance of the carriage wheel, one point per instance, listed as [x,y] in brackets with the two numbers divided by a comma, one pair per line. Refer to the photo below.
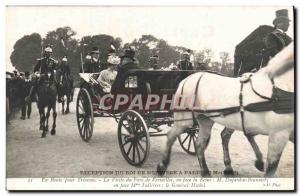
[85,115]
[133,136]
[188,138]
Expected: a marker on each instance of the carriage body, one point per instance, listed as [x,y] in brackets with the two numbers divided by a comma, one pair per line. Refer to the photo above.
[249,53]
[134,121]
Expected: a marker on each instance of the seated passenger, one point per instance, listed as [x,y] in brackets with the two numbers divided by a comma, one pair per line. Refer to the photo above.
[128,61]
[107,76]
[153,62]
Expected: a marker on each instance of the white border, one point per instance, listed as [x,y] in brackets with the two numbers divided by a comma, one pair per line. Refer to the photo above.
[4,3]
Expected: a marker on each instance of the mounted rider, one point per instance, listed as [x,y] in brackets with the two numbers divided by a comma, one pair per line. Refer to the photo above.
[64,72]
[43,71]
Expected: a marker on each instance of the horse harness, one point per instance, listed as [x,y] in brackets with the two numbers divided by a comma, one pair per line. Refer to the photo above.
[281,102]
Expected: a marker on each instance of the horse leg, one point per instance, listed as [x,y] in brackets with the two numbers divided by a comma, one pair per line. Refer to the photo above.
[277,142]
[63,106]
[205,126]
[42,121]
[53,130]
[41,112]
[47,119]
[259,163]
[226,135]
[68,103]
[178,128]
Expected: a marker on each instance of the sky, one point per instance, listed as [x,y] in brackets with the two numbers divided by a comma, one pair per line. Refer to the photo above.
[194,27]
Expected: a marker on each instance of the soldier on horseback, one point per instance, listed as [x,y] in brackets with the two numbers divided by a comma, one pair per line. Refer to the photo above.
[44,68]
[65,83]
[64,74]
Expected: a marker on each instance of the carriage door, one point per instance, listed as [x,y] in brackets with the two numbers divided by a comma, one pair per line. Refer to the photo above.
[131,87]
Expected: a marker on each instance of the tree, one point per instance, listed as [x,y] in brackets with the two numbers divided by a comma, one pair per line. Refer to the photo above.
[148,45]
[204,56]
[26,51]
[224,56]
[226,67]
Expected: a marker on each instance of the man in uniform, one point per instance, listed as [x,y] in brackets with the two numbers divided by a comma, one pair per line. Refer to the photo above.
[92,65]
[153,61]
[64,71]
[185,64]
[44,66]
[26,106]
[278,39]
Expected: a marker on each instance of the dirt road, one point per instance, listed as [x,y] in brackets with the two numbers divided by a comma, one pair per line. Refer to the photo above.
[65,154]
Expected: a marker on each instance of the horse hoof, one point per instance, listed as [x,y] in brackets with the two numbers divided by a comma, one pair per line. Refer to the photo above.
[161,169]
[259,165]
[53,132]
[228,172]
[68,111]
[43,134]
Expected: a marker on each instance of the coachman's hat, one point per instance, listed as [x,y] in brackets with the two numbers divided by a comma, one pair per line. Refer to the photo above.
[281,15]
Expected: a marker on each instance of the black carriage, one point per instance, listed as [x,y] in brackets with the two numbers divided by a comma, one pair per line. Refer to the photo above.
[135,125]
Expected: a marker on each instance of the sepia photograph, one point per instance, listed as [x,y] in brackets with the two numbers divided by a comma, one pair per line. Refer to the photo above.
[150,98]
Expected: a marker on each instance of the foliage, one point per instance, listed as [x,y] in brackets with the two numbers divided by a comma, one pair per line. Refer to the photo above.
[26,51]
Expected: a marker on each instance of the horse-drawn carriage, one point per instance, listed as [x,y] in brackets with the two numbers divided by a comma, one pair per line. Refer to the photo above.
[137,121]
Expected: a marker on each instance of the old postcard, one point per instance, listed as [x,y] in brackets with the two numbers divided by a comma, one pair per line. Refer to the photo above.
[150,98]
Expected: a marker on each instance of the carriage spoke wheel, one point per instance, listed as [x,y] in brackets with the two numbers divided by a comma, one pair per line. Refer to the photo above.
[84,115]
[133,137]
[188,138]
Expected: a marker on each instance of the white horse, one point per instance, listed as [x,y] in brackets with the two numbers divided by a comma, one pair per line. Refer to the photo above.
[214,92]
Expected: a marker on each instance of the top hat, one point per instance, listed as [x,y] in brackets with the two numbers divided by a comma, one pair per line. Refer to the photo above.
[281,15]
[95,50]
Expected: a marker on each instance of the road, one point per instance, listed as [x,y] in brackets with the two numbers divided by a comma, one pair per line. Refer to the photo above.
[65,154]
